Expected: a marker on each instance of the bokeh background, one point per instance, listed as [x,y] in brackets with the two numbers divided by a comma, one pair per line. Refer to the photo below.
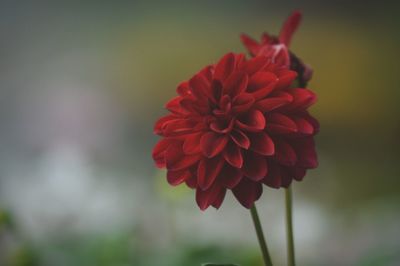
[82,83]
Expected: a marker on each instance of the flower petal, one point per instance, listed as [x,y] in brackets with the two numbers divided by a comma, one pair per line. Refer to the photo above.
[183,89]
[285,79]
[240,139]
[302,98]
[284,153]
[224,67]
[247,192]
[290,26]
[233,155]
[250,44]
[212,143]
[273,179]
[280,124]
[286,178]
[235,84]
[297,173]
[191,143]
[229,176]
[200,87]
[205,198]
[160,124]
[178,127]
[222,126]
[304,126]
[175,178]
[255,64]
[305,149]
[262,143]
[255,166]
[177,160]
[252,121]
[208,170]
[174,106]
[261,84]
[272,103]
[242,103]
[159,152]
[219,198]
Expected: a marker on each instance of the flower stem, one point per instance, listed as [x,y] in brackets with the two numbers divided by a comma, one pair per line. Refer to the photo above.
[260,236]
[289,227]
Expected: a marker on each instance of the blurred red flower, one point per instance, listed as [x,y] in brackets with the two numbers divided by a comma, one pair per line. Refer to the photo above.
[277,48]
[236,125]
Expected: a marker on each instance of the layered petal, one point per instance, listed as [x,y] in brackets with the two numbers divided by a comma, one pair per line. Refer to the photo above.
[208,170]
[255,166]
[212,143]
[247,192]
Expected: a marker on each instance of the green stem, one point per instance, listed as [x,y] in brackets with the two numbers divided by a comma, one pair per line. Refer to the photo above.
[289,227]
[260,236]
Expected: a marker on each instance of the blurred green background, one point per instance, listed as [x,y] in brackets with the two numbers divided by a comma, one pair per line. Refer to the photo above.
[83,82]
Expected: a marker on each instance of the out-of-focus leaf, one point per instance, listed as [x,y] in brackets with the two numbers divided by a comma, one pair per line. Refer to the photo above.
[24,256]
[5,219]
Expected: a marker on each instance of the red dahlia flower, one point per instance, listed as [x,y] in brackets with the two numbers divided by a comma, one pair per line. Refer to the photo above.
[277,48]
[237,125]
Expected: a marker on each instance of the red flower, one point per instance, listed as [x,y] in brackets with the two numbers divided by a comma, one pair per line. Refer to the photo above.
[277,48]
[237,125]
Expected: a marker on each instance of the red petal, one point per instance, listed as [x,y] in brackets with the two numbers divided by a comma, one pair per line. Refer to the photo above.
[314,122]
[286,178]
[253,121]
[222,126]
[200,87]
[174,106]
[219,198]
[247,192]
[255,166]
[262,143]
[290,26]
[255,64]
[233,155]
[302,98]
[178,127]
[229,176]
[205,198]
[281,124]
[191,144]
[183,89]
[235,84]
[160,124]
[224,67]
[242,102]
[240,139]
[305,149]
[286,79]
[177,160]
[273,179]
[272,103]
[207,72]
[194,106]
[250,44]
[159,152]
[208,170]
[304,126]
[261,84]
[212,143]
[297,173]
[192,181]
[175,178]
[284,153]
